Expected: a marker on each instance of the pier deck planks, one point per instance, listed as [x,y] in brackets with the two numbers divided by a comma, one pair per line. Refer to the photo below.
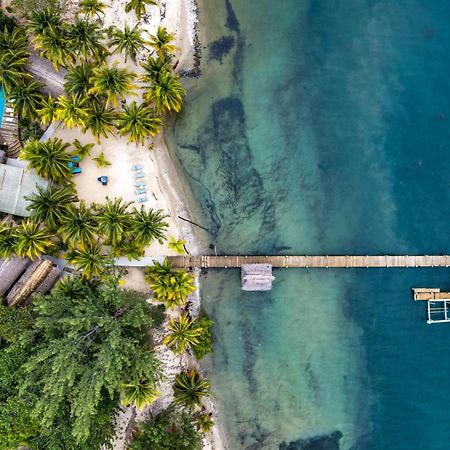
[304,261]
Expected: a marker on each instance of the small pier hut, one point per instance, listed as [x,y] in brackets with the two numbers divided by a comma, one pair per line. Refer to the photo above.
[256,277]
[10,271]
[438,304]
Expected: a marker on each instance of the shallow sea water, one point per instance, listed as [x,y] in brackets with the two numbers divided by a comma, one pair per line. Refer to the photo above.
[322,127]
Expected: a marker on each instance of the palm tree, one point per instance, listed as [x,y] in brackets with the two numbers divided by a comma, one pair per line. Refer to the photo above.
[78,225]
[114,220]
[129,41]
[148,225]
[47,112]
[50,206]
[91,8]
[33,239]
[177,245]
[82,150]
[49,159]
[71,110]
[27,98]
[54,45]
[161,42]
[41,21]
[101,160]
[72,287]
[13,42]
[183,333]
[100,120]
[138,393]
[78,79]
[189,389]
[113,82]
[7,241]
[204,422]
[12,67]
[132,249]
[138,122]
[153,67]
[138,6]
[86,37]
[89,259]
[168,285]
[166,92]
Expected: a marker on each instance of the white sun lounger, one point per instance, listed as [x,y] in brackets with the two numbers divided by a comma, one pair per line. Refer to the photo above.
[141,191]
[136,167]
[139,183]
[142,199]
[139,175]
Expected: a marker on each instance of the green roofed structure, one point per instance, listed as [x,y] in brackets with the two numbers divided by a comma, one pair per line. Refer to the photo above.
[16,182]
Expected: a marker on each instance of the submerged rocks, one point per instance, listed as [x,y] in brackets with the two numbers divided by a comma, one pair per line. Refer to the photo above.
[325,442]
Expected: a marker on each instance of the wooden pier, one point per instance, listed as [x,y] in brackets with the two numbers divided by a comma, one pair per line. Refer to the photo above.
[306,261]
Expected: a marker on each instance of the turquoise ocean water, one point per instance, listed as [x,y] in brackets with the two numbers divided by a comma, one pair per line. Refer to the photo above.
[323,127]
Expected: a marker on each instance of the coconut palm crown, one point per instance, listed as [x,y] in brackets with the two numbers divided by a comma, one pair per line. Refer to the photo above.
[138,6]
[189,389]
[49,159]
[114,220]
[32,240]
[138,122]
[166,92]
[183,333]
[161,42]
[129,41]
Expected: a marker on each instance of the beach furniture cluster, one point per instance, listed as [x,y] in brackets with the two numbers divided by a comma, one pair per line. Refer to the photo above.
[140,186]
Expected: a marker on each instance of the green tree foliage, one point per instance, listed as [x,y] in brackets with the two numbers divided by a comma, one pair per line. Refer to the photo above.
[92,8]
[189,389]
[47,111]
[161,42]
[204,341]
[49,206]
[138,6]
[25,8]
[177,245]
[147,225]
[13,322]
[86,39]
[183,333]
[49,159]
[101,160]
[114,220]
[27,98]
[101,120]
[78,79]
[129,41]
[89,259]
[78,225]
[170,286]
[204,422]
[82,151]
[168,430]
[72,110]
[139,122]
[83,345]
[166,92]
[138,393]
[8,240]
[112,82]
[33,240]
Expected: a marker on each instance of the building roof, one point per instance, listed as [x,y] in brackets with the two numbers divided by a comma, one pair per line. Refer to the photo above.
[16,182]
[10,270]
[256,277]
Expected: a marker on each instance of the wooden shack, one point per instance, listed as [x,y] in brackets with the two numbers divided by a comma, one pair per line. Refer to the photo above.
[256,277]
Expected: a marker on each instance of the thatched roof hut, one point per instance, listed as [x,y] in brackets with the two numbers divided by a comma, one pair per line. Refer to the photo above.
[256,277]
[10,271]
[29,281]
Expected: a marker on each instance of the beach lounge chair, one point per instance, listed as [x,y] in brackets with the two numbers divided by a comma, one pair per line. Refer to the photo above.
[74,164]
[141,191]
[139,175]
[143,199]
[136,168]
[139,183]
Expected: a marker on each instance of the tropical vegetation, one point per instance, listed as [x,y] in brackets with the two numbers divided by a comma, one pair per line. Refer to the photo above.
[190,388]
[170,286]
[168,430]
[138,6]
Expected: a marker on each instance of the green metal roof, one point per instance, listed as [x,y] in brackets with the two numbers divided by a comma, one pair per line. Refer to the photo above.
[16,182]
